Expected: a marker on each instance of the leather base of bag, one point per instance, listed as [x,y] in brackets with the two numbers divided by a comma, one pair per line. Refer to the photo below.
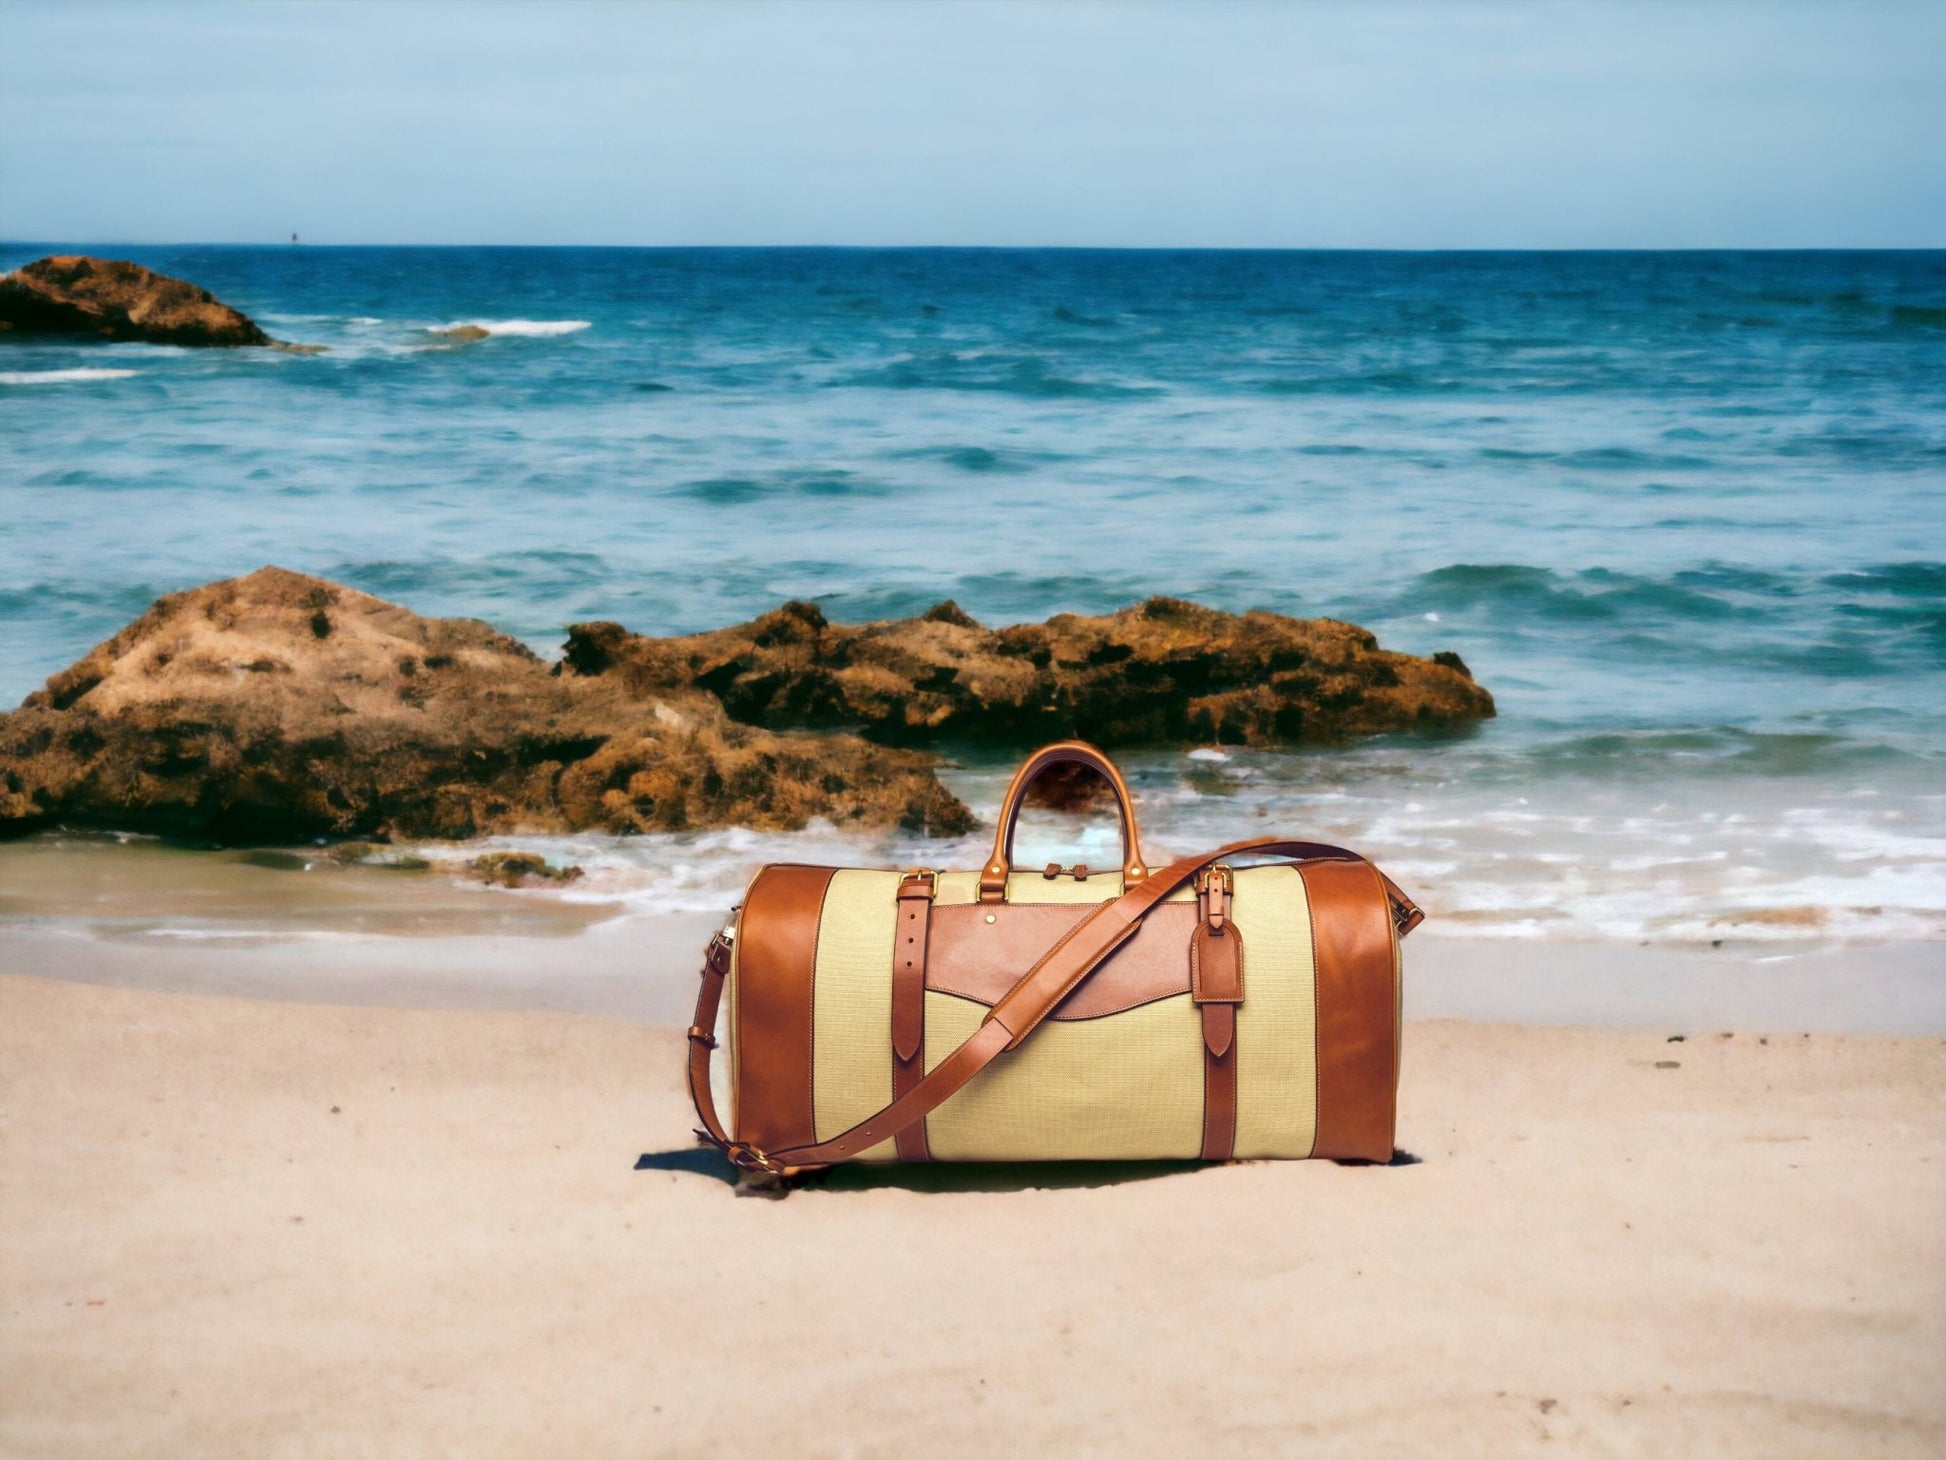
[1204,1011]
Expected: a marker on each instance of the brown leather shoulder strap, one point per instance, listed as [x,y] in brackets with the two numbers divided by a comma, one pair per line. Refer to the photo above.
[1017,1014]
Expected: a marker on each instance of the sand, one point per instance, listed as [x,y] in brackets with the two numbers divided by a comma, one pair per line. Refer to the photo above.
[240,1227]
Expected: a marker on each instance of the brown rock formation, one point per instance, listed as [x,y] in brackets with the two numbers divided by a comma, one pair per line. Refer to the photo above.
[278,707]
[74,294]
[1162,673]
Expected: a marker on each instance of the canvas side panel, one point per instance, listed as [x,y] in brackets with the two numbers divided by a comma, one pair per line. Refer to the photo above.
[1276,1037]
[852,997]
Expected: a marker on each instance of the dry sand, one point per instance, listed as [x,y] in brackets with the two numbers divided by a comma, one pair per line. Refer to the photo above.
[241,1228]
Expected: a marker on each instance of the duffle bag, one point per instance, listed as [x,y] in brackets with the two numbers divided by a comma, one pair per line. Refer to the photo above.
[1239,1004]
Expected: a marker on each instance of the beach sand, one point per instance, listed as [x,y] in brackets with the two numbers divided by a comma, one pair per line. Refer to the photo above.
[246,1227]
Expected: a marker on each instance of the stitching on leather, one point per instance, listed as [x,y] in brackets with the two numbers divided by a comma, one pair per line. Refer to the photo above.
[980,1003]
[811,1054]
[1128,930]
[1317,1065]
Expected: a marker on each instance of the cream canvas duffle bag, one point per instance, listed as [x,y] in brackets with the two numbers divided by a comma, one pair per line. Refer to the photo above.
[1207,1009]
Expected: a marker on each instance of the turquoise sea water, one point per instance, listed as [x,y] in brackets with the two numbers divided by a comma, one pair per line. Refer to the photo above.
[1683,513]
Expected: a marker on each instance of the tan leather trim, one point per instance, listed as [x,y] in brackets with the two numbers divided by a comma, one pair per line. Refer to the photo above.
[1219,1084]
[909,944]
[1357,1021]
[777,946]
[980,960]
[1216,983]
[1216,965]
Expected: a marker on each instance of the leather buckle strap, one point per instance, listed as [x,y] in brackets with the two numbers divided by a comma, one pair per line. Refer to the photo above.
[1219,875]
[1406,914]
[746,1157]
[911,936]
[702,1037]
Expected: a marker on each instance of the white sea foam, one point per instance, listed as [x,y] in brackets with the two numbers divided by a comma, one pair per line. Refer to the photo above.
[1576,862]
[62,377]
[531,328]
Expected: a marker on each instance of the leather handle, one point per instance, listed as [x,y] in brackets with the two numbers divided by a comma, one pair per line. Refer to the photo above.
[993,876]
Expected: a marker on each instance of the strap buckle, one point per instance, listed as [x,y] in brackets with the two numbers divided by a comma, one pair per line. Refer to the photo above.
[716,958]
[746,1157]
[1406,915]
[1217,875]
[920,874]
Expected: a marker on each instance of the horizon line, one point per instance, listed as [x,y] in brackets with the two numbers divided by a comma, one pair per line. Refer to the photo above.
[54,243]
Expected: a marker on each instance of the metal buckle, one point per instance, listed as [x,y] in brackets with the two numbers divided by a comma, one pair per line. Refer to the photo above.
[1219,875]
[716,957]
[921,874]
[746,1157]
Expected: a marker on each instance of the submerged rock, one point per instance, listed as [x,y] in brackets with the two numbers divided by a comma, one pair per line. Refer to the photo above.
[519,869]
[279,707]
[114,300]
[1163,673]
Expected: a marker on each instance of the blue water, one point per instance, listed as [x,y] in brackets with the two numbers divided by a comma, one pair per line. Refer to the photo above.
[1684,513]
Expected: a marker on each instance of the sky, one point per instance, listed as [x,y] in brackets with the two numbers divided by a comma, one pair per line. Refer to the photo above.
[1570,124]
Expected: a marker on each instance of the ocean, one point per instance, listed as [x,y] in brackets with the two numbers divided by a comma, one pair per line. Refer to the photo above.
[1683,513]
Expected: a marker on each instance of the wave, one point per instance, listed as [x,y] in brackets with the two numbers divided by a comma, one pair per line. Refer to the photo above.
[1022,375]
[1919,316]
[1597,593]
[63,377]
[981,460]
[1709,751]
[1918,579]
[1377,382]
[737,491]
[514,328]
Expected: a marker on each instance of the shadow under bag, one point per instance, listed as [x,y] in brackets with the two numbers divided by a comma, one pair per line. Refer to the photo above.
[1200,1010]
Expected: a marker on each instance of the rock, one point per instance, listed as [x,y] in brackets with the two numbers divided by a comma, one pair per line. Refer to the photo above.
[370,854]
[1163,673]
[74,294]
[462,334]
[519,869]
[278,708]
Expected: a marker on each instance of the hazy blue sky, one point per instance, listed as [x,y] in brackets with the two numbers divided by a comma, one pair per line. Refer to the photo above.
[1735,122]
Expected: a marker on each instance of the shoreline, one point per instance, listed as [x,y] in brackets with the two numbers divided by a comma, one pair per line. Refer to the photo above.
[243,1226]
[292,925]
[545,955]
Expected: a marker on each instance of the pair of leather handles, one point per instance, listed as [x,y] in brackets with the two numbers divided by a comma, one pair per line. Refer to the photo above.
[993,876]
